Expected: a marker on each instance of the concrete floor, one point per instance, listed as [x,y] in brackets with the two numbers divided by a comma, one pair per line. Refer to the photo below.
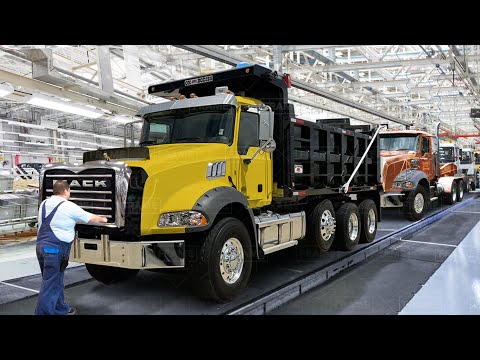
[387,282]
[159,293]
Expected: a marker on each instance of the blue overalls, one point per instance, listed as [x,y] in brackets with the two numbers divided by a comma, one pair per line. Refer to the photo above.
[51,251]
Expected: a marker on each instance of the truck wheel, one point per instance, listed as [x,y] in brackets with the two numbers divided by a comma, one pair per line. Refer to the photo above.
[321,226]
[225,261]
[414,206]
[109,274]
[460,190]
[452,196]
[368,219]
[348,227]
[473,185]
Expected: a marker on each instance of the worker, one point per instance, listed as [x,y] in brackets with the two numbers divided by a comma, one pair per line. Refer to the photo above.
[56,230]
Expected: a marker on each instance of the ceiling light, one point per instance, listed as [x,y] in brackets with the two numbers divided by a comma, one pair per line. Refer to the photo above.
[52,103]
[33,136]
[107,137]
[6,89]
[34,143]
[18,123]
[73,132]
[122,119]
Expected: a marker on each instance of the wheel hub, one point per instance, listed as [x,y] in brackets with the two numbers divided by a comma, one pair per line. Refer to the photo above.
[231,260]
[353,226]
[418,203]
[327,225]
[371,221]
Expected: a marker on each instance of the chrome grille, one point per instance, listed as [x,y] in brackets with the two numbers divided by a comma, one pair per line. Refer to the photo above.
[87,190]
[99,187]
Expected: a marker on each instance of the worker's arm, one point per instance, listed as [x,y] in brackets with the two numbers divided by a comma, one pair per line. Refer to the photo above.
[97,219]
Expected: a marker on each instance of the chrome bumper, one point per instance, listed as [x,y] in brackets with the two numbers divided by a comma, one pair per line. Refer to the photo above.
[131,255]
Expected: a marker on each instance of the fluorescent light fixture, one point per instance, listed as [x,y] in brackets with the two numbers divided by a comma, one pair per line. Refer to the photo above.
[34,143]
[68,131]
[52,103]
[6,89]
[33,136]
[122,119]
[27,125]
[107,137]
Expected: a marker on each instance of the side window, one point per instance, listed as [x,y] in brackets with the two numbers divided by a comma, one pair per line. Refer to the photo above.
[159,133]
[425,147]
[248,134]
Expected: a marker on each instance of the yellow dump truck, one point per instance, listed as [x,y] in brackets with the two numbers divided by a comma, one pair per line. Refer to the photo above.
[224,174]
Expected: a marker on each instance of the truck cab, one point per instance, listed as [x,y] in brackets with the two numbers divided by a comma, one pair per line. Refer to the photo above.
[413,174]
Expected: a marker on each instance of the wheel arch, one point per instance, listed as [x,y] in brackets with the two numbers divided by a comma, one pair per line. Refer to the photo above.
[224,201]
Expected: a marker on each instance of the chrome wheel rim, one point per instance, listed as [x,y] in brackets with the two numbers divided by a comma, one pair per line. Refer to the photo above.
[454,194]
[418,203]
[371,220]
[460,191]
[231,260]
[327,225]
[353,226]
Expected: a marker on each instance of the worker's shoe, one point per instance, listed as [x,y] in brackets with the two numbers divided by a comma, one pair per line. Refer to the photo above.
[71,311]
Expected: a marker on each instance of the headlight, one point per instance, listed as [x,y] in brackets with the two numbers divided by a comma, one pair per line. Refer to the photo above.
[182,218]
[414,162]
[403,184]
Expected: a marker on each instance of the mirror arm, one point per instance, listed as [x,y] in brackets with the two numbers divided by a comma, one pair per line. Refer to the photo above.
[248,161]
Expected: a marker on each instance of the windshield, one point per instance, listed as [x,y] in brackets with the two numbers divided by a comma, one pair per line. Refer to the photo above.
[206,124]
[446,154]
[466,157]
[398,142]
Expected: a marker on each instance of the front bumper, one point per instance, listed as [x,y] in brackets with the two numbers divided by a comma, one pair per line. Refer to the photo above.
[131,255]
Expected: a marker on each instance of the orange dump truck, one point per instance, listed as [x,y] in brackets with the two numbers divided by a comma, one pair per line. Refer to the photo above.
[412,174]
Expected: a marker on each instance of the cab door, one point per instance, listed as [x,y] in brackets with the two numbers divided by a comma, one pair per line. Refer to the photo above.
[426,160]
[252,177]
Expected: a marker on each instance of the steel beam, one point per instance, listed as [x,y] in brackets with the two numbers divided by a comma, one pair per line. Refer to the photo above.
[63,92]
[104,65]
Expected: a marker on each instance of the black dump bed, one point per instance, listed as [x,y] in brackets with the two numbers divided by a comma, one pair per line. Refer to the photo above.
[310,157]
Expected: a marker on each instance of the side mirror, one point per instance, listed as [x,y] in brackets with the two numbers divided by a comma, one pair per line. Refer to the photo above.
[268,146]
[265,128]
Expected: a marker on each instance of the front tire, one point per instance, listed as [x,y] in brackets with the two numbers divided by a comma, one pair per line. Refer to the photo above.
[225,261]
[109,274]
[415,203]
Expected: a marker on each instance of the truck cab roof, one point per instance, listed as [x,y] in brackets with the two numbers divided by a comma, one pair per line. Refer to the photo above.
[418,132]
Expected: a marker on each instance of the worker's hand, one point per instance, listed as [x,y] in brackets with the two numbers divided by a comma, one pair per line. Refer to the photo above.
[98,219]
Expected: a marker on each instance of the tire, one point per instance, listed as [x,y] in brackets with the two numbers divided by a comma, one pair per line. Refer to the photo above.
[473,185]
[213,279]
[348,227]
[32,224]
[452,197]
[369,220]
[110,274]
[321,227]
[460,190]
[412,211]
